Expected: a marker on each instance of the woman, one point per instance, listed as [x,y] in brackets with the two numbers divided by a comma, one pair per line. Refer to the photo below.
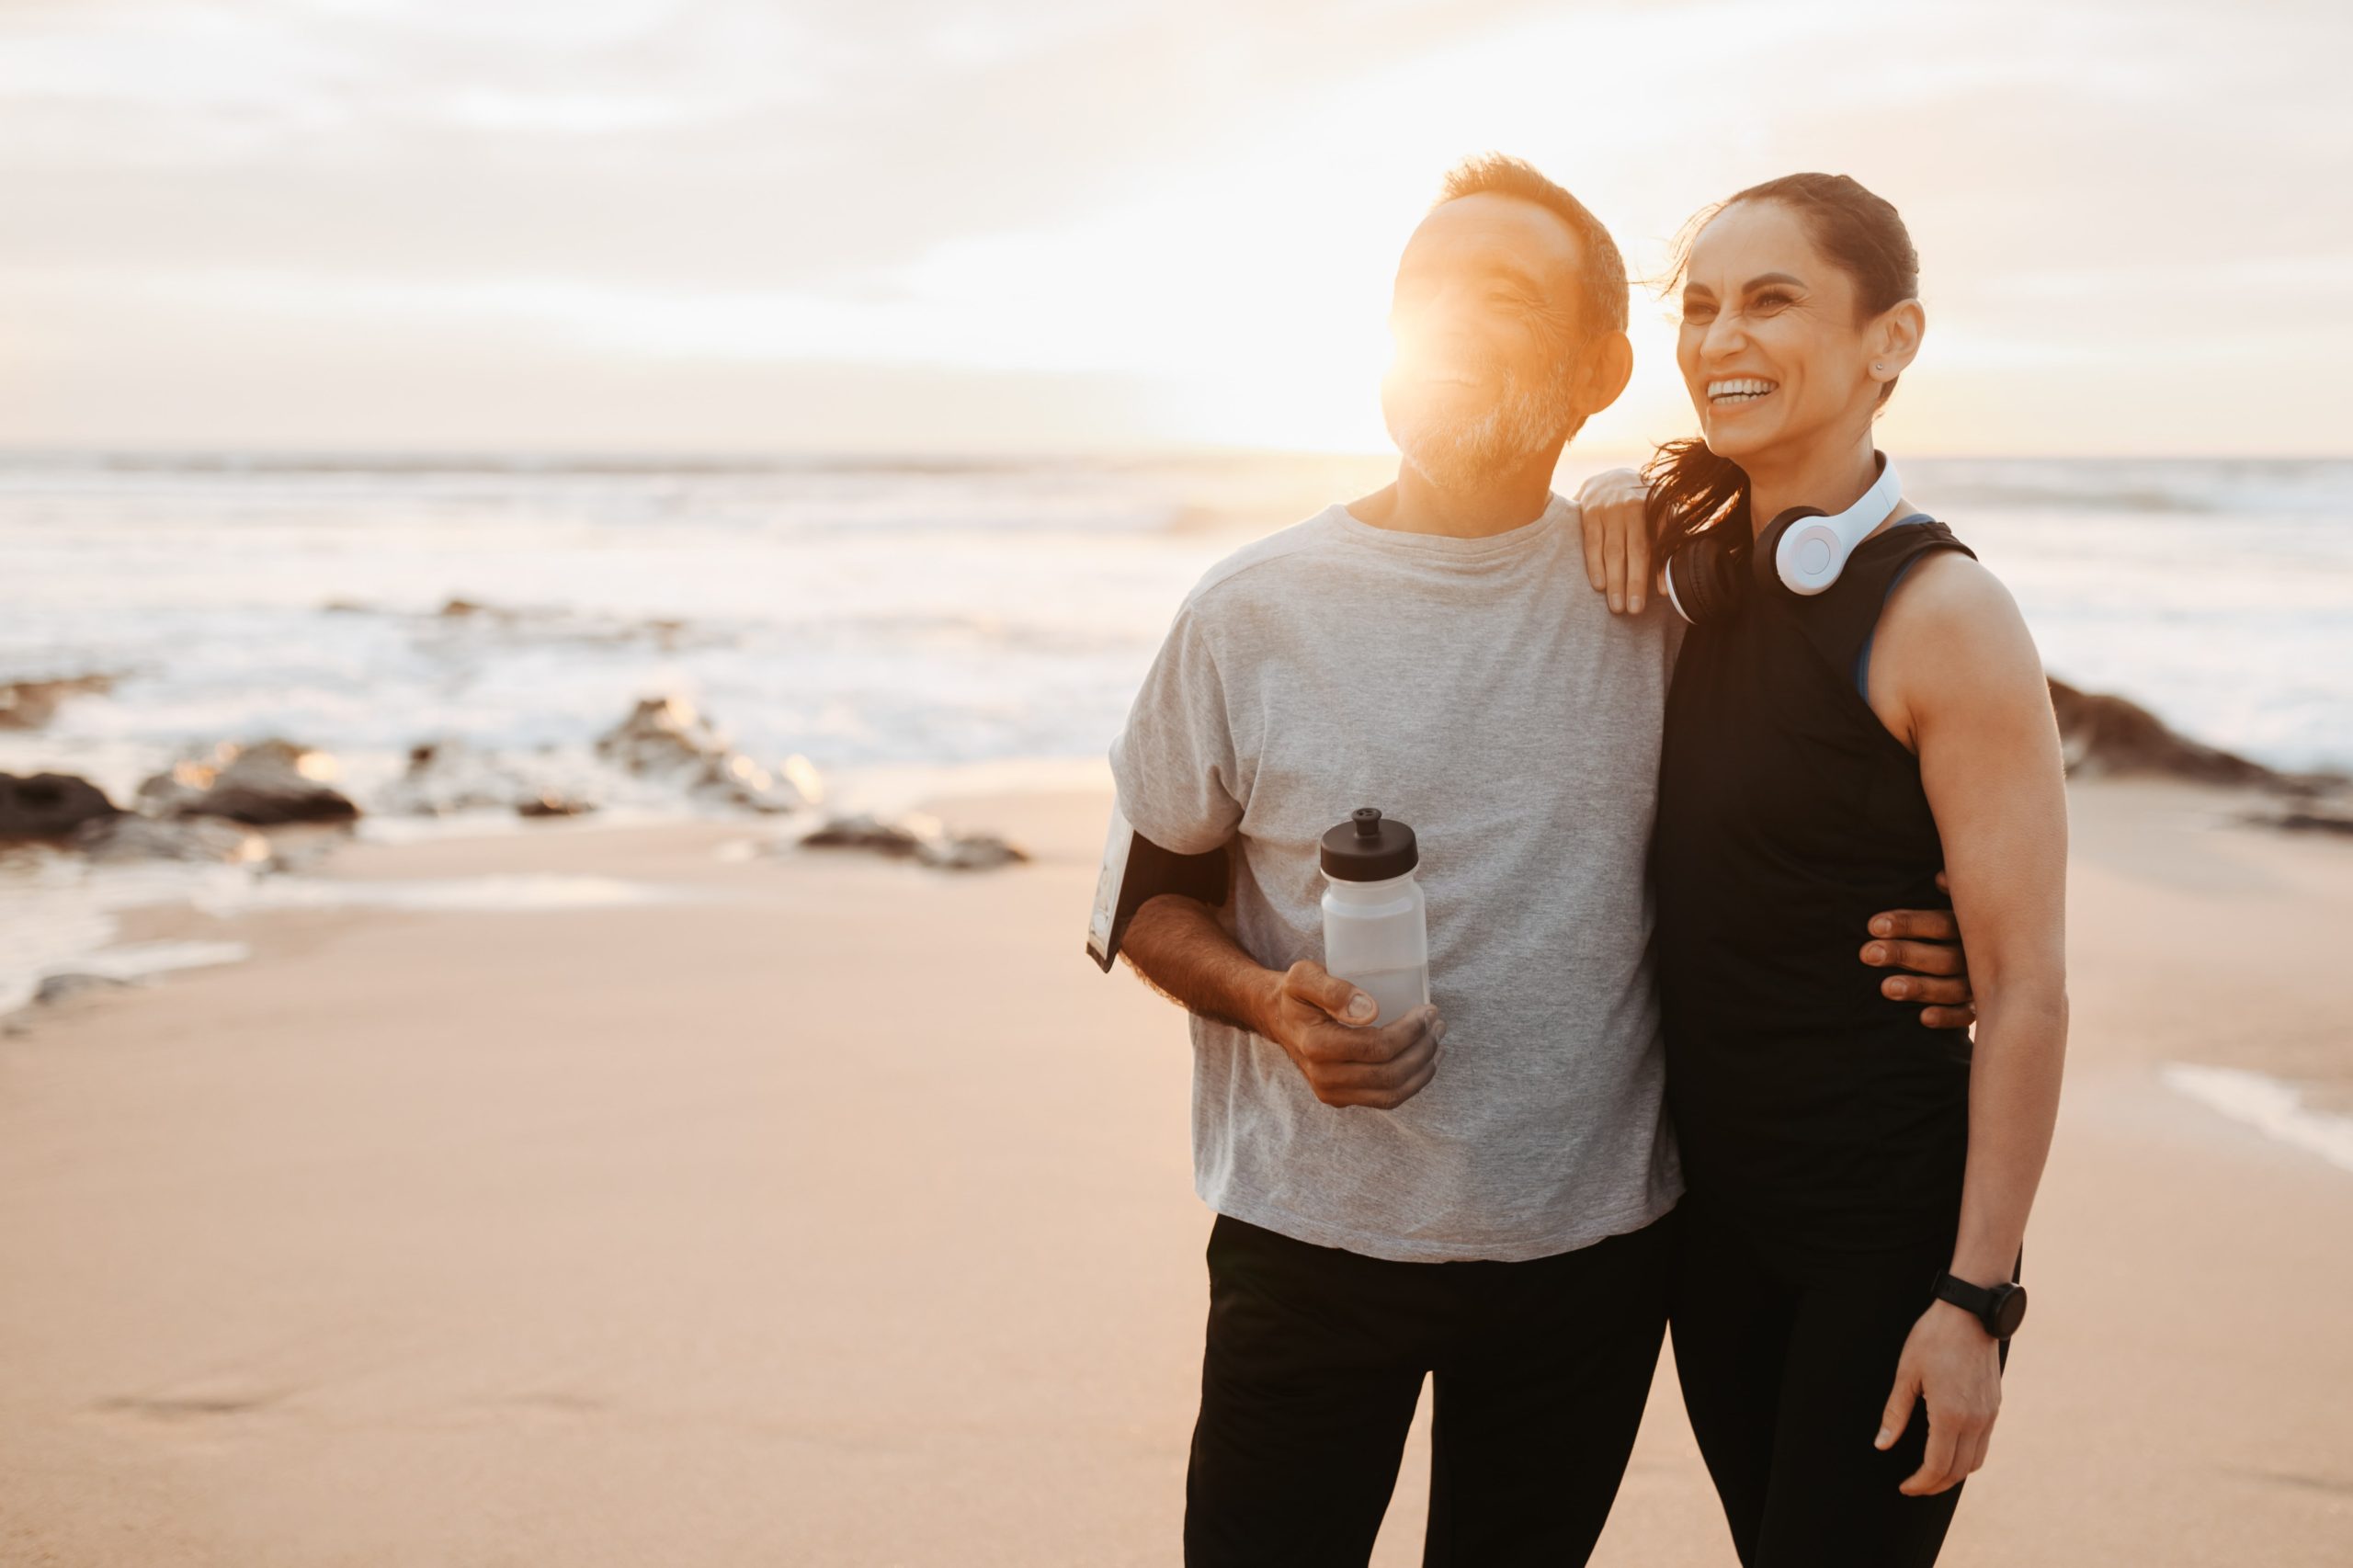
[1857,1186]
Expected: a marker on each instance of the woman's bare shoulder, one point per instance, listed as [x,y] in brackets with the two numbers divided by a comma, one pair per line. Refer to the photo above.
[1955,642]
[1950,596]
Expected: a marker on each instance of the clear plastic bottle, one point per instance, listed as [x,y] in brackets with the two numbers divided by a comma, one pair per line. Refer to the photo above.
[1376,935]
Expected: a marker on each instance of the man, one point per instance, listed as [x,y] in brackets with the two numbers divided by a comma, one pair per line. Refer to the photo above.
[1479,1189]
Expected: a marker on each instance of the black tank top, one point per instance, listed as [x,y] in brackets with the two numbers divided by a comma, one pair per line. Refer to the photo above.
[1808,1107]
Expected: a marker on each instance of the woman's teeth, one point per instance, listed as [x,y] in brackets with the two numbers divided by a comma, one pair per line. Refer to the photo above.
[1749,390]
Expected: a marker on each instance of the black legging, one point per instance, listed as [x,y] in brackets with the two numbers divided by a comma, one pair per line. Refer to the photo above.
[1786,1369]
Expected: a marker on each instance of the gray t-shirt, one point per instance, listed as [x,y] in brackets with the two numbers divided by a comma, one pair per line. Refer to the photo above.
[1478,690]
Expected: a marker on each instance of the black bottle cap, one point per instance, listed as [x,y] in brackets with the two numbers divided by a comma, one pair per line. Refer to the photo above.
[1369,848]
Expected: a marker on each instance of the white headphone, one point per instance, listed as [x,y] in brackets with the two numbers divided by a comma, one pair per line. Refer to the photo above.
[1812,549]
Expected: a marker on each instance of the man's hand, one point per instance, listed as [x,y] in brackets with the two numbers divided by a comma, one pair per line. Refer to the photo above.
[1324,1025]
[1950,1359]
[1308,1011]
[1927,943]
[1613,507]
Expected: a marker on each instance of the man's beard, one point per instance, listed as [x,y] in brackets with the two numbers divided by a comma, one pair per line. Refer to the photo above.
[1459,452]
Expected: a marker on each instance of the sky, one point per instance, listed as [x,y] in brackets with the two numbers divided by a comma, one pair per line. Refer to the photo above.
[900,226]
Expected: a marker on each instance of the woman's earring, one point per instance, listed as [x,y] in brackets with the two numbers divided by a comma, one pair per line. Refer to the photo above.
[1877,366]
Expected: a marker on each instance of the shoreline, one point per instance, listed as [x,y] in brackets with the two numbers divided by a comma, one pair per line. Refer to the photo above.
[71,915]
[2112,820]
[2292,1081]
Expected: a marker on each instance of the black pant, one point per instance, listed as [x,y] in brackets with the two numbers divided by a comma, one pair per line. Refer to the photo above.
[1786,1365]
[1315,1358]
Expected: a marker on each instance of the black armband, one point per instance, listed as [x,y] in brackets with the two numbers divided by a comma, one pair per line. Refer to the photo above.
[1135,869]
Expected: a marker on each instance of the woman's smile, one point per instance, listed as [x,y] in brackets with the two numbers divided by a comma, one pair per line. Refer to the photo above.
[1740,392]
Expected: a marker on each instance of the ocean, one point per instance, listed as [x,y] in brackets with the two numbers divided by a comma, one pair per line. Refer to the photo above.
[934,614]
[895,620]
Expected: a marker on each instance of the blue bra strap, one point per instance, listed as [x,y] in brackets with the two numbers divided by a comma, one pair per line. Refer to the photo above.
[1863,653]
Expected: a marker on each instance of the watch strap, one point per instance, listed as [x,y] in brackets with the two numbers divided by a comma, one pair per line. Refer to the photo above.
[1975,1300]
[1996,1307]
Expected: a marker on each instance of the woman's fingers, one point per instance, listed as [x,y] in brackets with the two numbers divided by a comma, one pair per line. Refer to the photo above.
[1593,525]
[1638,560]
[1613,555]
[1612,509]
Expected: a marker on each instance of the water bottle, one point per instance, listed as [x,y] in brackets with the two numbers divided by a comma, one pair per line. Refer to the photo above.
[1375,935]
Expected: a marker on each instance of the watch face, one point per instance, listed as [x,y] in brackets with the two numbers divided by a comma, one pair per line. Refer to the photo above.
[2008,1310]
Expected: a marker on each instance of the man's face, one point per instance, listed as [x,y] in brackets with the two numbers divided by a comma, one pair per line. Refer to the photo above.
[1483,320]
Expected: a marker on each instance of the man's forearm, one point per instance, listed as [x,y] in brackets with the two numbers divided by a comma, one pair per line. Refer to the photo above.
[1176,944]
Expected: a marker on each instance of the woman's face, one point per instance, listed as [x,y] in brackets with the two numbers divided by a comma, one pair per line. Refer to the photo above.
[1771,348]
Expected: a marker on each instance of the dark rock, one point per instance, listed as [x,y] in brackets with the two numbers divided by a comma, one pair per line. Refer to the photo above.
[268,782]
[970,852]
[864,831]
[731,778]
[460,618]
[50,805]
[2308,822]
[57,987]
[162,794]
[449,775]
[265,807]
[918,837]
[275,781]
[29,704]
[2101,735]
[549,803]
[663,737]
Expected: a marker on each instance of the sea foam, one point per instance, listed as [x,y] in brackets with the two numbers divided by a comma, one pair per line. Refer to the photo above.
[2269,1105]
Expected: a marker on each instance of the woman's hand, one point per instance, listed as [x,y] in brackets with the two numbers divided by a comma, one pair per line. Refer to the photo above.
[1951,1360]
[1616,537]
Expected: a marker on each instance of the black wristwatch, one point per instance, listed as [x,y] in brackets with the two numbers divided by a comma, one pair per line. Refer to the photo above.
[2001,1308]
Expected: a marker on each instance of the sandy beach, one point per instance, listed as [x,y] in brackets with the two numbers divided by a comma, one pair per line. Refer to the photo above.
[823,1210]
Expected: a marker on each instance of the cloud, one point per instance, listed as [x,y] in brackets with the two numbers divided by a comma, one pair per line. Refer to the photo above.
[1203,198]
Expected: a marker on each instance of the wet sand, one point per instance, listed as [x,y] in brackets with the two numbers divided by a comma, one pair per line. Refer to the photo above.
[840,1213]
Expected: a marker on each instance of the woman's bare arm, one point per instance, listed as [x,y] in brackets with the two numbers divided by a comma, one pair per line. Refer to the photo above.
[1954,674]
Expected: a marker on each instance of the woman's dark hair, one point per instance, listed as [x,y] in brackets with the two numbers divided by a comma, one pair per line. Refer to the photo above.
[1691,487]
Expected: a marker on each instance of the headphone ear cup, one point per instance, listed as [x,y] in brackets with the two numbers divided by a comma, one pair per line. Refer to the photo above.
[1703,576]
[1767,561]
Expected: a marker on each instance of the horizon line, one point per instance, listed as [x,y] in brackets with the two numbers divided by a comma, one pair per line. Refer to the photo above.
[399,455]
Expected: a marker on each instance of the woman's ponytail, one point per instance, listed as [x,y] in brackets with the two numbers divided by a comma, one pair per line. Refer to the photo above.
[1692,489]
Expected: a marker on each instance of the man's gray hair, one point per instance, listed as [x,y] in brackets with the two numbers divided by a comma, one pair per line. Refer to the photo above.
[1602,291]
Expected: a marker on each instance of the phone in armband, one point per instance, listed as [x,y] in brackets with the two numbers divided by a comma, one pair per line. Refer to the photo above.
[1135,869]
